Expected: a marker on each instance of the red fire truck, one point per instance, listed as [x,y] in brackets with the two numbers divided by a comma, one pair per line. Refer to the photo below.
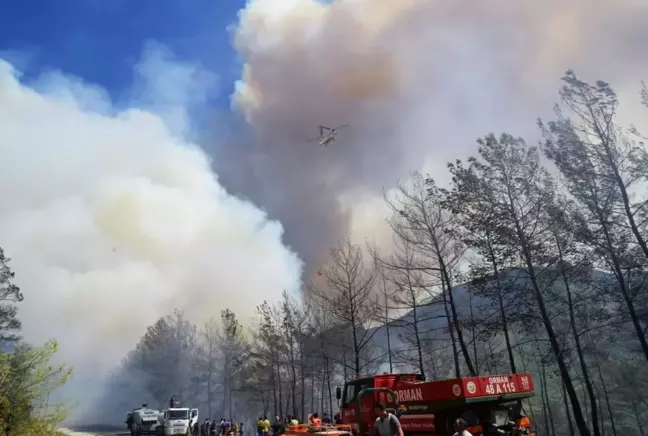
[430,408]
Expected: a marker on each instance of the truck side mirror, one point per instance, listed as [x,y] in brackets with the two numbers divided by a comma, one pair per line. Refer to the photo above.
[338,393]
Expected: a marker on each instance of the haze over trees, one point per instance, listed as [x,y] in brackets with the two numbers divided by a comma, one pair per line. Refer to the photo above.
[534,258]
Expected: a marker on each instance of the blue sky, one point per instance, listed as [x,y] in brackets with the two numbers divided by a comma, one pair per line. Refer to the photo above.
[101,40]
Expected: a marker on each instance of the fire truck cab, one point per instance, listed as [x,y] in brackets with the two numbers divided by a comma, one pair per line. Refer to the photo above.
[430,408]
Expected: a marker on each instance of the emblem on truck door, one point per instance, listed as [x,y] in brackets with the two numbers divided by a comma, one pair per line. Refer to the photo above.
[471,388]
[456,390]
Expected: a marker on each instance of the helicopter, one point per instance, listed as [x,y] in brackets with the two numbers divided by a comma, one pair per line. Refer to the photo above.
[328,135]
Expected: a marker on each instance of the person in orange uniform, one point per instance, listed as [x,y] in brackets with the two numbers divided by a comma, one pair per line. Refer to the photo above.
[315,420]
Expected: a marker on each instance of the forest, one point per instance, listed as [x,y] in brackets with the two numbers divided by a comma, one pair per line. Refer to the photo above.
[533,258]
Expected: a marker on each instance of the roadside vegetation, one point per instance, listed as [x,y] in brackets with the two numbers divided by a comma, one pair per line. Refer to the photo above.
[28,375]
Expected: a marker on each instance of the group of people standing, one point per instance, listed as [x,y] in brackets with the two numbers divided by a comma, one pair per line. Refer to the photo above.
[279,425]
[226,427]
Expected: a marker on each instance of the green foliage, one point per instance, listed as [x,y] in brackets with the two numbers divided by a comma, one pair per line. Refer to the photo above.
[9,294]
[27,378]
[27,375]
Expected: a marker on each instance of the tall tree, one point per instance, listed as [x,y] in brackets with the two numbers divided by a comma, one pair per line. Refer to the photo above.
[165,353]
[508,177]
[620,161]
[266,353]
[572,261]
[477,229]
[207,355]
[599,167]
[409,294]
[295,330]
[233,353]
[349,283]
[9,295]
[420,220]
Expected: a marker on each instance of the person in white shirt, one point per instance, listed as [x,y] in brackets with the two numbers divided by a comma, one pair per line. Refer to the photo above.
[460,428]
[386,423]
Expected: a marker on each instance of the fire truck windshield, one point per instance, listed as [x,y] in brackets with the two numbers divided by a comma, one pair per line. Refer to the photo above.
[354,387]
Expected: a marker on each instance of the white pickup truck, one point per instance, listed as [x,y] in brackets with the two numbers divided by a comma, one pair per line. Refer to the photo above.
[145,421]
[177,421]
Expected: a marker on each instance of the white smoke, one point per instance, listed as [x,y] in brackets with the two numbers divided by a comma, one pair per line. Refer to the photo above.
[418,81]
[112,219]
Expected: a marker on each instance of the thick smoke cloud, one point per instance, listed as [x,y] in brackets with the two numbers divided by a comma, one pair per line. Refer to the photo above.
[112,219]
[418,80]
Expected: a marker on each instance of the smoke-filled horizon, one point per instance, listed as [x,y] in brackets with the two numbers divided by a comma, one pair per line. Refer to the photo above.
[113,218]
[417,80]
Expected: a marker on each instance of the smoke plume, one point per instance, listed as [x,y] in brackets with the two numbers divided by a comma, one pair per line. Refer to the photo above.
[112,219]
[417,80]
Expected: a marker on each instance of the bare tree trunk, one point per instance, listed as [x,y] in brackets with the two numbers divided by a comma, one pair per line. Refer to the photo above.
[455,353]
[503,314]
[279,384]
[605,392]
[328,383]
[577,342]
[273,382]
[229,389]
[545,391]
[312,402]
[637,416]
[264,403]
[524,368]
[472,331]
[209,393]
[581,423]
[616,266]
[389,350]
[322,385]
[417,338]
[303,378]
[293,367]
[570,424]
[455,316]
[545,405]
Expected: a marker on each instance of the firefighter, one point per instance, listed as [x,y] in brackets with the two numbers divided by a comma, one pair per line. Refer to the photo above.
[266,426]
